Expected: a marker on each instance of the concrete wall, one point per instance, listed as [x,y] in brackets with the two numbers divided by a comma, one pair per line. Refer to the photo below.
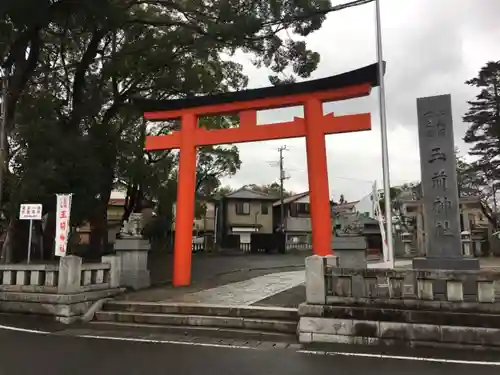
[298,224]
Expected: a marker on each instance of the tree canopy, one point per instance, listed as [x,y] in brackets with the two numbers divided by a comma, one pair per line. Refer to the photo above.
[74,67]
[483,118]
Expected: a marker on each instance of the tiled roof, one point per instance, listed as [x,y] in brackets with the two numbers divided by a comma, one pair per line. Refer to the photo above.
[245,193]
[345,206]
[292,198]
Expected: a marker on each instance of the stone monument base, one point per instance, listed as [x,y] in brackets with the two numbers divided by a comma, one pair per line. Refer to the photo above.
[133,255]
[350,250]
[458,264]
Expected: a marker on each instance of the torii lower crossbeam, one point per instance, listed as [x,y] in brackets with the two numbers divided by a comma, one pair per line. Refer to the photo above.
[314,126]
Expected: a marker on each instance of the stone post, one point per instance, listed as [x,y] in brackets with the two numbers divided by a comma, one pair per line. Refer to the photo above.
[466,244]
[70,274]
[421,241]
[315,277]
[114,271]
[133,262]
[478,252]
[465,218]
[407,240]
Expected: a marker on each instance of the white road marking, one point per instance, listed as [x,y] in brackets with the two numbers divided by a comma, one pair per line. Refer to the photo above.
[226,346]
[25,330]
[171,342]
[402,358]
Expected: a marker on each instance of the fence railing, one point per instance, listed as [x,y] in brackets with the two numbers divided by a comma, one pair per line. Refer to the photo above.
[299,246]
[197,247]
[328,284]
[95,276]
[68,276]
[412,284]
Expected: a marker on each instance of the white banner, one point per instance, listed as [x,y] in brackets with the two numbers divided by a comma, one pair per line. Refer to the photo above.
[63,213]
[30,211]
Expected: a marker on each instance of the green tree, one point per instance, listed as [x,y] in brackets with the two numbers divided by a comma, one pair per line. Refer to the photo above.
[394,195]
[80,63]
[480,177]
[222,191]
[483,118]
[152,176]
[271,189]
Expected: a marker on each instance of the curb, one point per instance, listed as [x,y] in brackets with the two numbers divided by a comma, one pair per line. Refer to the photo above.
[258,269]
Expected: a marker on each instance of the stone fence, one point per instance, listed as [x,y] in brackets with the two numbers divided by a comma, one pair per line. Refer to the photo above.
[329,284]
[69,276]
[64,290]
[391,306]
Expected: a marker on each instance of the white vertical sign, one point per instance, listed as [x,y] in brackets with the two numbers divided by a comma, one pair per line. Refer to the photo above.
[63,212]
[378,215]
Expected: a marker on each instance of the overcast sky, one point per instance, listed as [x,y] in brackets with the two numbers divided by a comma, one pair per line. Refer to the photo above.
[431,47]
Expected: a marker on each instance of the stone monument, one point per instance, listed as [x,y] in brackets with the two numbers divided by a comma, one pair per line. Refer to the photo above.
[440,199]
[132,250]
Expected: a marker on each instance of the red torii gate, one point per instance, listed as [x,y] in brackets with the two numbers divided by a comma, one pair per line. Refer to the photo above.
[314,126]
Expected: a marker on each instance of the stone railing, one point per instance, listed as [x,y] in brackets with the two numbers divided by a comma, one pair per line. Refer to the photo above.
[67,277]
[328,284]
[402,307]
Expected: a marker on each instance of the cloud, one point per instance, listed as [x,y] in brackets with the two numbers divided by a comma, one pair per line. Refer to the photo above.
[431,47]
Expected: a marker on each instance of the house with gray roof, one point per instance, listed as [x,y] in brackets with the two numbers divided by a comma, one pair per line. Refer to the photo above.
[245,211]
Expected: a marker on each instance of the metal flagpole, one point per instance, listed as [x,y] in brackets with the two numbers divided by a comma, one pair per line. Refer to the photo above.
[383,131]
[3,124]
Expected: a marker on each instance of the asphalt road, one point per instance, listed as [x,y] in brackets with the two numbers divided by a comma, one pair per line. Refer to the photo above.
[28,353]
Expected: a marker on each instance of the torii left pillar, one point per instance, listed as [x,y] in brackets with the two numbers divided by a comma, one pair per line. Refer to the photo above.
[184,214]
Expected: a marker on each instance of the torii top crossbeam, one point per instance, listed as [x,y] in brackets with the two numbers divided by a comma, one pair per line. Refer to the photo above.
[314,126]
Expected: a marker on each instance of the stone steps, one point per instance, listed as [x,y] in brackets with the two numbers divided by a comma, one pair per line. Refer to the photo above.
[195,319]
[414,316]
[180,332]
[243,311]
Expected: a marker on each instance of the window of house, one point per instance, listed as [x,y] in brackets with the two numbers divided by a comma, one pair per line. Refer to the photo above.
[264,209]
[242,208]
[303,208]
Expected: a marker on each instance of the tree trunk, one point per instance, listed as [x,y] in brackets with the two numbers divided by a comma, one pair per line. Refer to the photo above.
[99,226]
[7,243]
[133,202]
[48,235]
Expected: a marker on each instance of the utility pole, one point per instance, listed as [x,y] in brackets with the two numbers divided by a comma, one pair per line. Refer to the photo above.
[3,125]
[282,198]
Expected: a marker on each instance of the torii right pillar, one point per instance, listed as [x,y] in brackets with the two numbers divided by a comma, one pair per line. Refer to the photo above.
[317,173]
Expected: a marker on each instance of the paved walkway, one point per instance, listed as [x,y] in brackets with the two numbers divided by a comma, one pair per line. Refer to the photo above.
[245,280]
[250,291]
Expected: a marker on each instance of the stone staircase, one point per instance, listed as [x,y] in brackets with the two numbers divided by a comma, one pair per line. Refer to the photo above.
[244,322]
